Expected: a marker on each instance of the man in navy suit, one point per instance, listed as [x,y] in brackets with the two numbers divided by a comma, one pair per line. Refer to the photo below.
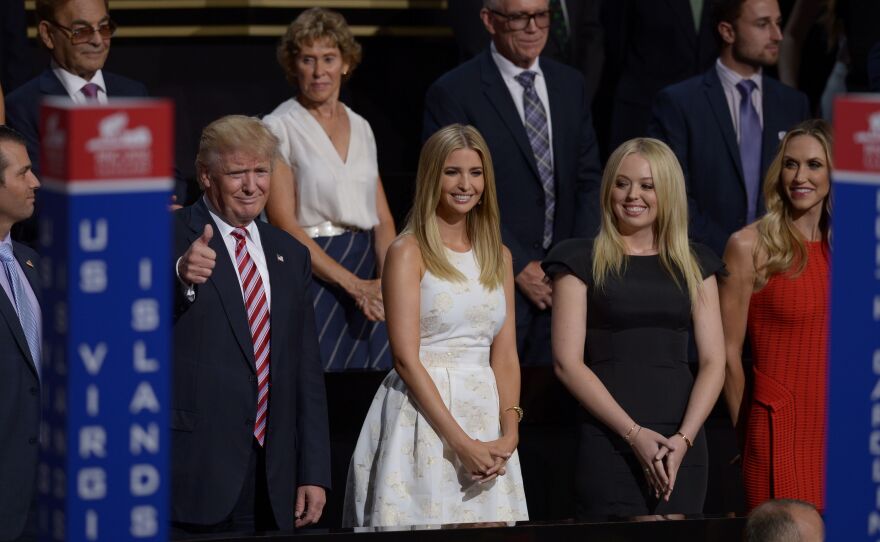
[77,35]
[20,330]
[704,118]
[534,115]
[250,442]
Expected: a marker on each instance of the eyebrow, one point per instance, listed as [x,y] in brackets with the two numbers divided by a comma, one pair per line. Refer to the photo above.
[84,22]
[789,157]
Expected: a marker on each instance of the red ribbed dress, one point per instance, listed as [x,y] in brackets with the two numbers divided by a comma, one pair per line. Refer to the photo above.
[784,454]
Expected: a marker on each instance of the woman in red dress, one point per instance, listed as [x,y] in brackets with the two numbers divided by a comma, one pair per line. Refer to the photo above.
[778,291]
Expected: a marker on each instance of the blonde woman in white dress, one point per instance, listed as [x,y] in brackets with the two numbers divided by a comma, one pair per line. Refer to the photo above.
[439,442]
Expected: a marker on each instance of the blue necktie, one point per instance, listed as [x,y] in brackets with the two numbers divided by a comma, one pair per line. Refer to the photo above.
[539,139]
[30,323]
[750,137]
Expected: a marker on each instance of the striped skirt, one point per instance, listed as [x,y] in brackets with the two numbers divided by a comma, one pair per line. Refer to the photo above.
[347,339]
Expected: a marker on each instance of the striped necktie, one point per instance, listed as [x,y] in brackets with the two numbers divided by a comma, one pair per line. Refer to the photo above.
[30,322]
[258,318]
[535,117]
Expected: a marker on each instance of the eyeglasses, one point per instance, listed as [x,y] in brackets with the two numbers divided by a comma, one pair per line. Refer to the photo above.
[82,34]
[521,20]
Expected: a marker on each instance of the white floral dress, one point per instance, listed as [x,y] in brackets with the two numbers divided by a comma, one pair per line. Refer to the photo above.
[402,472]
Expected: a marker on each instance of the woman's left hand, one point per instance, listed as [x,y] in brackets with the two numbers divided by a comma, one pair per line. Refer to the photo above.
[501,449]
[673,461]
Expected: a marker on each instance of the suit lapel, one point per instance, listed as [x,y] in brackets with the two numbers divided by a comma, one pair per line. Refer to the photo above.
[7,310]
[280,275]
[554,94]
[499,96]
[772,127]
[225,281]
[50,85]
[718,103]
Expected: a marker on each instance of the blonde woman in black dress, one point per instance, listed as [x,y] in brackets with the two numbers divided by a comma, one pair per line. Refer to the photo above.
[630,295]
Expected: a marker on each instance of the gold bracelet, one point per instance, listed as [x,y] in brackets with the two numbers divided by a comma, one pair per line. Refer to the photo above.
[519,412]
[629,439]
[686,439]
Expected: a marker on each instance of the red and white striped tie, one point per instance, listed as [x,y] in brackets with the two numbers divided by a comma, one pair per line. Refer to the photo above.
[258,317]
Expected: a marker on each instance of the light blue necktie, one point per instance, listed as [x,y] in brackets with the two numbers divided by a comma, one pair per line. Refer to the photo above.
[539,139]
[29,321]
[750,146]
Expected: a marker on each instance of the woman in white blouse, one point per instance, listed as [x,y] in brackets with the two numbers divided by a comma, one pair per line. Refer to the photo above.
[328,194]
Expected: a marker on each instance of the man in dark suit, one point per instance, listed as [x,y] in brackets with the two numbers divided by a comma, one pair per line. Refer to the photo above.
[20,338]
[534,117]
[723,141]
[77,35]
[250,445]
[650,45]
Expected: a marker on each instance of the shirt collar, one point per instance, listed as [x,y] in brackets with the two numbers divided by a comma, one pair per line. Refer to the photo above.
[508,69]
[731,78]
[226,228]
[73,84]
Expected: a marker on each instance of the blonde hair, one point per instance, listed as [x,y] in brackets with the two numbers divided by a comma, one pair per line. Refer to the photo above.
[312,25]
[234,133]
[670,228]
[483,221]
[778,239]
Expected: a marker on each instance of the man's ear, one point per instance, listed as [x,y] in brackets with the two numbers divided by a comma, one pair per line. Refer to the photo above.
[486,17]
[727,32]
[204,178]
[45,35]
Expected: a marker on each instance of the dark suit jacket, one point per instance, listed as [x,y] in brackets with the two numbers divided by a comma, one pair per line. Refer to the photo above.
[694,119]
[650,45]
[215,383]
[19,409]
[23,104]
[474,93]
[586,37]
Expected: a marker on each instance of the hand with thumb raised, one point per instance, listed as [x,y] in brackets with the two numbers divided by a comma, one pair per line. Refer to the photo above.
[197,263]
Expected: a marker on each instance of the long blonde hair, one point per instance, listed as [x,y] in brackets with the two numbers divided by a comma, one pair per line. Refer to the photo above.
[670,228]
[778,239]
[482,222]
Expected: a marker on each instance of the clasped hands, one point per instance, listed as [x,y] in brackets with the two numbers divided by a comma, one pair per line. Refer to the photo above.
[485,461]
[660,458]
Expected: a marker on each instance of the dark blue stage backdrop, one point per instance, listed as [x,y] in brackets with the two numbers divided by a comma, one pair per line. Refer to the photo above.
[105,235]
[853,471]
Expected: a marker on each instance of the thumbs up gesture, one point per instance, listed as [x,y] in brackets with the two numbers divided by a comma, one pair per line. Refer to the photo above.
[197,263]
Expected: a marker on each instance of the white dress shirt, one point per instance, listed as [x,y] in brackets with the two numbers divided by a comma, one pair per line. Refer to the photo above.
[252,243]
[73,84]
[509,71]
[729,80]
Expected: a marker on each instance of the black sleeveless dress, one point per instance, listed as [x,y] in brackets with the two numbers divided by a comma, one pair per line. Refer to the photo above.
[637,344]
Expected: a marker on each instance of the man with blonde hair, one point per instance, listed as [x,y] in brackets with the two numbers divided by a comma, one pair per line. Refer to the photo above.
[250,445]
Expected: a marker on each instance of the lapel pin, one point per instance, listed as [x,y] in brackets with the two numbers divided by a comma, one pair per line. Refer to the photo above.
[29,263]
[280,258]
[781,134]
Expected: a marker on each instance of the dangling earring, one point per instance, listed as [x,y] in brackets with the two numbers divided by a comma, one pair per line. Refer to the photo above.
[480,201]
